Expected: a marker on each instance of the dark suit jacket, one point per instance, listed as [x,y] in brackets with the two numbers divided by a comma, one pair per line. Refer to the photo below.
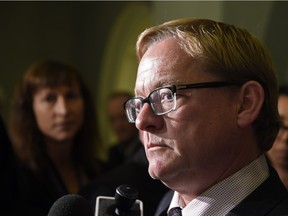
[269,199]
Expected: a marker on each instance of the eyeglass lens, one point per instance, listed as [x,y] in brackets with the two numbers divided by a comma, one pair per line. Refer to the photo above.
[161,101]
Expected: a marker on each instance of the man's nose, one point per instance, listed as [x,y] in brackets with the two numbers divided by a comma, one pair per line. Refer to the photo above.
[147,120]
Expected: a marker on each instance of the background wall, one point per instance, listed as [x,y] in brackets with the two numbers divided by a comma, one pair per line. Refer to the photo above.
[99,38]
[266,19]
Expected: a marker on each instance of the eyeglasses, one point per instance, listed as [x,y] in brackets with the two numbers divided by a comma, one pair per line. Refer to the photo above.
[162,100]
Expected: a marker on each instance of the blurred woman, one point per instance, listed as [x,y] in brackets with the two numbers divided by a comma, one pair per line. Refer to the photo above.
[53,133]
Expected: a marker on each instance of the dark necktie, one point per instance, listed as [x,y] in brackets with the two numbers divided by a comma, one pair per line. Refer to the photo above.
[176,211]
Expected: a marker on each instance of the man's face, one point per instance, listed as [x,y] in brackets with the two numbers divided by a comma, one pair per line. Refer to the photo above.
[194,141]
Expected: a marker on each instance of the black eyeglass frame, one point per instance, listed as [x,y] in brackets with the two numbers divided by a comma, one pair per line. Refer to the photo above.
[174,89]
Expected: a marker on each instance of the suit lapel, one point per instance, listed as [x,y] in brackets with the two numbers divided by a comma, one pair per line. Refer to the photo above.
[259,202]
[164,204]
[263,199]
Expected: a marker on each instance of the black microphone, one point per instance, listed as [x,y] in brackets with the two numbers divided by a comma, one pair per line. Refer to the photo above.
[71,205]
[125,203]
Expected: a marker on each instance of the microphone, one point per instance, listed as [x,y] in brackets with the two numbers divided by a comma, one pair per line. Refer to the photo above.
[71,205]
[125,203]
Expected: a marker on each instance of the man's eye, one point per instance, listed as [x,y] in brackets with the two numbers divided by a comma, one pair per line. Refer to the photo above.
[166,96]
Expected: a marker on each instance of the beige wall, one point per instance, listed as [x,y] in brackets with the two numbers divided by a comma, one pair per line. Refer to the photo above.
[266,19]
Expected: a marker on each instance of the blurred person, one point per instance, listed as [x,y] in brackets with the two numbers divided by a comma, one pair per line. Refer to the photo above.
[278,154]
[128,143]
[127,163]
[8,176]
[53,133]
[206,108]
[6,152]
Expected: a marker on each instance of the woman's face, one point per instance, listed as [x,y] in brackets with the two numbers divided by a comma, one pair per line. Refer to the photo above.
[59,111]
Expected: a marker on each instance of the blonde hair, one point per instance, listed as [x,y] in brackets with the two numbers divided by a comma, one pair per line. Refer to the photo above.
[229,52]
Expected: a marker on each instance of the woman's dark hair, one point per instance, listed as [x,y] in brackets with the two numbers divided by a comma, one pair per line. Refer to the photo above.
[27,138]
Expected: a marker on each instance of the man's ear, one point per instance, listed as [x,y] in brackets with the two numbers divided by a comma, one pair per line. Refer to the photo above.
[251,101]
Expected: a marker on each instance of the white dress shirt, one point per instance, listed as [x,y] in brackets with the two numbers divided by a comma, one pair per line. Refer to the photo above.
[225,195]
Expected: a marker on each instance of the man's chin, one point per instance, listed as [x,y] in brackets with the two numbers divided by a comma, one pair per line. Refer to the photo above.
[156,172]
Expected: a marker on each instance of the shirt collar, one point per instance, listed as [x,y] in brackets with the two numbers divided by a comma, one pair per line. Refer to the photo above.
[225,195]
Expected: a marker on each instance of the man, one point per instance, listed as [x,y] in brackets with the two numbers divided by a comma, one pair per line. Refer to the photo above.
[278,154]
[128,146]
[206,108]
